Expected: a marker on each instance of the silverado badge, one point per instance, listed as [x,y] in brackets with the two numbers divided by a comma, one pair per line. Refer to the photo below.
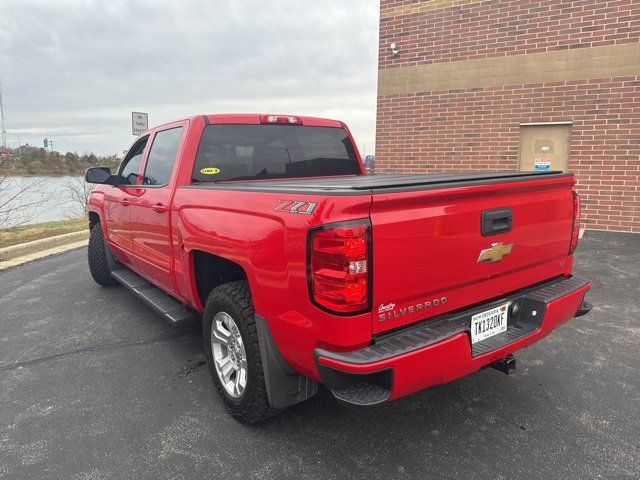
[495,253]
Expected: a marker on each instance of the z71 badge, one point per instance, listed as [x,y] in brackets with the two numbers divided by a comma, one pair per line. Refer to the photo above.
[291,206]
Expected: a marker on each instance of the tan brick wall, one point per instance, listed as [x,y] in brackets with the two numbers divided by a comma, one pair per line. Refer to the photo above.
[469,118]
[396,9]
[557,65]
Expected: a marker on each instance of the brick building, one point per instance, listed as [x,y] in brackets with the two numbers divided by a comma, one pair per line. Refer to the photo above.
[516,84]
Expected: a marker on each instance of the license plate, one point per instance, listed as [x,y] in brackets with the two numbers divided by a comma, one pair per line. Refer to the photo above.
[489,323]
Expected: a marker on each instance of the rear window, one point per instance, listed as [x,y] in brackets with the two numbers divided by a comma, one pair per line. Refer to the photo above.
[256,152]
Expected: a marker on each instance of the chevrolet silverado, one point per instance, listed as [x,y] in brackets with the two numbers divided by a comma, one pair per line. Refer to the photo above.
[303,270]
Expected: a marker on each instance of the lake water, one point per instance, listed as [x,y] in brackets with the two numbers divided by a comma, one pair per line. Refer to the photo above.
[43,199]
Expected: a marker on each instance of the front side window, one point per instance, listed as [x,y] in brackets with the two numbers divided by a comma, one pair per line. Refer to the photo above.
[162,156]
[131,164]
[255,152]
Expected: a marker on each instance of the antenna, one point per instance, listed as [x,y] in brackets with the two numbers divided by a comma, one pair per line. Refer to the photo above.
[4,132]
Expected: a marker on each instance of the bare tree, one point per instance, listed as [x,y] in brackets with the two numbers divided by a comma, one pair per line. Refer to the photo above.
[19,199]
[76,193]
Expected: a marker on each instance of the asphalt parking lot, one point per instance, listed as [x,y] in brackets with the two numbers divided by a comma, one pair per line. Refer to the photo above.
[93,385]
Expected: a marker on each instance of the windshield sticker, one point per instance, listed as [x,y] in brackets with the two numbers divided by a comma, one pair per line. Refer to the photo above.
[210,171]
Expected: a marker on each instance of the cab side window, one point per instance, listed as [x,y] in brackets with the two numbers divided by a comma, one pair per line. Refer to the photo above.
[162,156]
[130,167]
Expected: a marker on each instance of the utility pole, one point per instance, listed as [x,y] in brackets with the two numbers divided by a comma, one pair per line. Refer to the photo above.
[4,132]
[19,144]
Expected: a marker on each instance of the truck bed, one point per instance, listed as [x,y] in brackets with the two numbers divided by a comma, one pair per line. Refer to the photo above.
[429,231]
[384,183]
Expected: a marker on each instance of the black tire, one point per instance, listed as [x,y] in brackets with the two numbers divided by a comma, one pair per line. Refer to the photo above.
[234,298]
[98,265]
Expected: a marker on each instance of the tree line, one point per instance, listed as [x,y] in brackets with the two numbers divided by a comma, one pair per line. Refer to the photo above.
[39,161]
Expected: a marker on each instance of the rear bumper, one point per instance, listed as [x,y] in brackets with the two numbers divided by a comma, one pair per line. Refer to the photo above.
[439,350]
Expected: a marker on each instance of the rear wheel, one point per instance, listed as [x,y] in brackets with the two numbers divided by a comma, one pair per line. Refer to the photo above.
[98,264]
[233,353]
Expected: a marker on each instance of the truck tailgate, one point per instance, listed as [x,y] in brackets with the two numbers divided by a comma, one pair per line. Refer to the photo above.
[428,244]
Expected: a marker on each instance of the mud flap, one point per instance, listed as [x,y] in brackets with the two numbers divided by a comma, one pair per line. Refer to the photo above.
[285,386]
[111,261]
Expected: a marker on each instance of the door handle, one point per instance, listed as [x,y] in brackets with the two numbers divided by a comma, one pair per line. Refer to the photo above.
[159,208]
[124,202]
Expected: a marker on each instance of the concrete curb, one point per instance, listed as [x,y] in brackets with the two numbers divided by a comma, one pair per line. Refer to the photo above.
[24,249]
[15,262]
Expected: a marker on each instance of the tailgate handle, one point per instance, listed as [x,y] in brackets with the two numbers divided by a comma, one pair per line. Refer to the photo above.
[496,221]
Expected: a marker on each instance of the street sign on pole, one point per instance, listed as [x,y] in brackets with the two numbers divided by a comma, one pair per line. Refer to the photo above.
[46,143]
[139,122]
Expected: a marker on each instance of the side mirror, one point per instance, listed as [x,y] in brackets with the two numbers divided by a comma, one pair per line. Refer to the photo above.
[99,175]
[134,178]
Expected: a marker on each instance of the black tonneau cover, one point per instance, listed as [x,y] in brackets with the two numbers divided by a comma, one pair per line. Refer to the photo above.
[384,183]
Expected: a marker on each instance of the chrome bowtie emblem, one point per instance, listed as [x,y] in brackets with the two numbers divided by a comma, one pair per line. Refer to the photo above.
[495,253]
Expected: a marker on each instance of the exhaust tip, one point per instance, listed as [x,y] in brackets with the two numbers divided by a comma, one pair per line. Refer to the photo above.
[584,309]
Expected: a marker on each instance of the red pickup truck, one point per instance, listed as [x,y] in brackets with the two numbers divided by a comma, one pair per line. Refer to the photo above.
[304,270]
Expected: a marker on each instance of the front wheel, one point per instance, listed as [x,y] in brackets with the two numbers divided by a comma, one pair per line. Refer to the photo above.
[233,353]
[97,253]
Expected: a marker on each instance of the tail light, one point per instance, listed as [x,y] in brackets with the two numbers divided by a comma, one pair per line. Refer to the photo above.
[281,119]
[575,230]
[339,267]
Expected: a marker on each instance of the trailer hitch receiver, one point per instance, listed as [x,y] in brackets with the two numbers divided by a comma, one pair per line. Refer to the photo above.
[506,365]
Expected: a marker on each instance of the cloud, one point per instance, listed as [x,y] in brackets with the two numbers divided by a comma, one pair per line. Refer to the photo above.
[74,71]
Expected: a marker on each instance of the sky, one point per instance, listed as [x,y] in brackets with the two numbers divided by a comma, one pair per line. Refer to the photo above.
[74,71]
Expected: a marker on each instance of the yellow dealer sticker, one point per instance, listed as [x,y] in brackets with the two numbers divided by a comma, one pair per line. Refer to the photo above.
[210,171]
